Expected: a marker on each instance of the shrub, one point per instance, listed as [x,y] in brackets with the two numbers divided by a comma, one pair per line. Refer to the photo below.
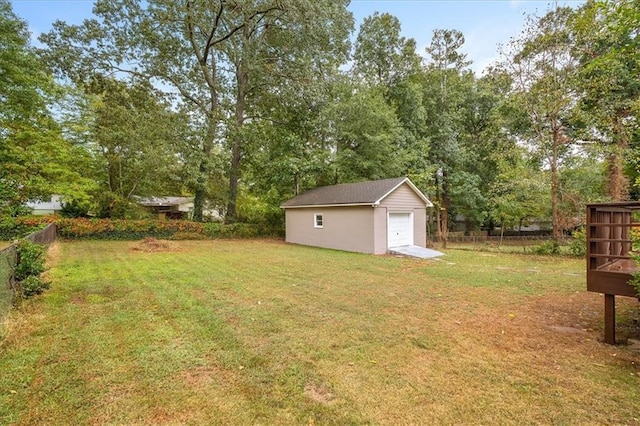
[237,230]
[635,255]
[75,208]
[548,248]
[118,229]
[12,228]
[8,228]
[578,243]
[189,236]
[32,286]
[31,258]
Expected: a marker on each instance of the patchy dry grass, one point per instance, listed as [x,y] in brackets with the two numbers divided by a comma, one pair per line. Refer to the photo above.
[260,332]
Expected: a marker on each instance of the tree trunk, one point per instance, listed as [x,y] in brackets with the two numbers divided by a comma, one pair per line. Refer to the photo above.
[444,231]
[234,178]
[198,203]
[242,82]
[200,193]
[555,188]
[446,204]
[555,203]
[618,188]
[438,223]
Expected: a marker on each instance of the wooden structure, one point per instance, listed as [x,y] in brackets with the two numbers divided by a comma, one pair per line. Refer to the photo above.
[609,265]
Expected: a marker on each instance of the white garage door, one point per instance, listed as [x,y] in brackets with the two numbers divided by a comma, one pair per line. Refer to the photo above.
[400,230]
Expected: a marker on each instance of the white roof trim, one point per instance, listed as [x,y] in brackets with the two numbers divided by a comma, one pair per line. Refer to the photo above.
[306,206]
[412,186]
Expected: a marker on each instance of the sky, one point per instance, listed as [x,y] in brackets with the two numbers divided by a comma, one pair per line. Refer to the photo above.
[485,23]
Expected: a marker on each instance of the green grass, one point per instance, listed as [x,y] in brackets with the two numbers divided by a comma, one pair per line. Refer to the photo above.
[261,332]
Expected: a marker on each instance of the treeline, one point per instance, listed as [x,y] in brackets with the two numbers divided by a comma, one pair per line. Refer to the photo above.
[245,103]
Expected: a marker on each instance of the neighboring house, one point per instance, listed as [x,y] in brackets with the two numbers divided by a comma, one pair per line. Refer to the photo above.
[366,217]
[168,207]
[531,225]
[524,225]
[43,208]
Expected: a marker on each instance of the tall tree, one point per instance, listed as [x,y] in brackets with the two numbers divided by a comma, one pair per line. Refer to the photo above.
[35,160]
[269,57]
[293,150]
[382,57]
[386,61]
[365,136]
[520,194]
[484,144]
[444,89]
[541,66]
[134,138]
[607,43]
[204,51]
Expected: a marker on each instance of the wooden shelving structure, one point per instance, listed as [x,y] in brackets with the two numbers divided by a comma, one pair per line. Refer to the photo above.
[609,265]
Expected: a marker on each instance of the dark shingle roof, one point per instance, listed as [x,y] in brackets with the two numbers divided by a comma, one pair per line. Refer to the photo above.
[360,193]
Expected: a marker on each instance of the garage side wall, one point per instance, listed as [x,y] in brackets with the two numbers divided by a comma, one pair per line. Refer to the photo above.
[380,230]
[404,200]
[343,228]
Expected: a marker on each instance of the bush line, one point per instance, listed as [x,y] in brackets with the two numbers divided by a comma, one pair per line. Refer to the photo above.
[124,229]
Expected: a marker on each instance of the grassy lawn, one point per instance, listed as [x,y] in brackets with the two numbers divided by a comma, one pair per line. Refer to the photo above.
[260,332]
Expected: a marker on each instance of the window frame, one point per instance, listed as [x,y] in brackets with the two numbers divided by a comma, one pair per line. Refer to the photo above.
[318,224]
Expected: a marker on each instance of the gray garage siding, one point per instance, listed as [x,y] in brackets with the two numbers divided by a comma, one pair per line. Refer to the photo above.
[405,200]
[402,199]
[380,230]
[344,228]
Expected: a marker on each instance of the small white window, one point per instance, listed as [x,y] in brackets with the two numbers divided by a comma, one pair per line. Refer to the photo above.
[318,220]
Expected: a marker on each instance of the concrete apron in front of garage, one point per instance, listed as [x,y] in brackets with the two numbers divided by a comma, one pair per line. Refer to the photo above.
[415,251]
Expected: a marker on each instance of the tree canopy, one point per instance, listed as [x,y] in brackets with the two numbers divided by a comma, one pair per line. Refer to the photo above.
[35,160]
[245,103]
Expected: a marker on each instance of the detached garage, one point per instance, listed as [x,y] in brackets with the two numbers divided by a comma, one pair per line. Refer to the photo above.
[366,217]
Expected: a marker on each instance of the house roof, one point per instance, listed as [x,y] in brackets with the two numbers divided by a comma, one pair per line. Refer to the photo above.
[351,194]
[164,201]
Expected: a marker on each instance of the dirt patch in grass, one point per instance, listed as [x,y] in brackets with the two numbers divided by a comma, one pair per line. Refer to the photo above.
[54,254]
[319,393]
[151,245]
[583,311]
[78,299]
[203,376]
[552,317]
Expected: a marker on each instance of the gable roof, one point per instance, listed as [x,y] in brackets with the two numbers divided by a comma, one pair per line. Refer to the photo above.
[352,194]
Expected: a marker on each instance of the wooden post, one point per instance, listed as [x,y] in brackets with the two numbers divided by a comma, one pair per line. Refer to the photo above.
[610,319]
